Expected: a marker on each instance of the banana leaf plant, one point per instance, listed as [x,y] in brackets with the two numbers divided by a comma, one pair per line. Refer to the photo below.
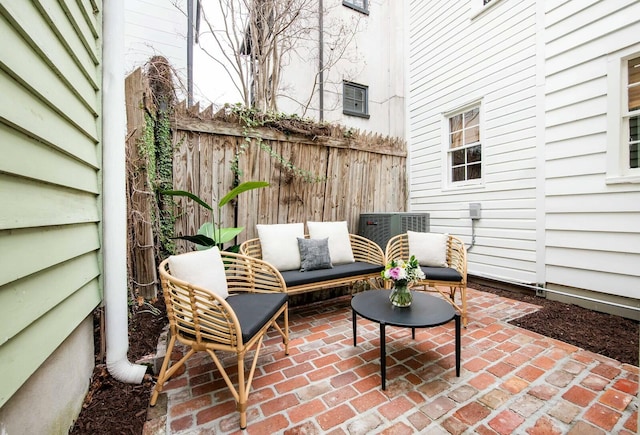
[210,233]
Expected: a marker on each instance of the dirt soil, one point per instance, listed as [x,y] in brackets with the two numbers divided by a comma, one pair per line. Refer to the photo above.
[112,407]
[604,334]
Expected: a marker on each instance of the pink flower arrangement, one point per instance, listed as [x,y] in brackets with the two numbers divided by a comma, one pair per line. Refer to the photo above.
[403,273]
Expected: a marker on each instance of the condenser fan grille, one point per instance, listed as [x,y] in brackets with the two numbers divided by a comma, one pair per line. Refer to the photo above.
[380,227]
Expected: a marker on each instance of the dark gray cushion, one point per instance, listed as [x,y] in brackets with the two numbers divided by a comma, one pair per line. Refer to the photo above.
[314,254]
[294,277]
[441,274]
[255,309]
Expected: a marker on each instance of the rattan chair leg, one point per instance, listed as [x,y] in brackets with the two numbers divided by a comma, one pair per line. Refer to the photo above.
[285,330]
[163,370]
[463,295]
[166,372]
[285,336]
[242,392]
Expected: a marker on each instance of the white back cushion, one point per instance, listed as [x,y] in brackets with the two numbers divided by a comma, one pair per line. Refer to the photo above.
[279,243]
[339,242]
[201,268]
[429,248]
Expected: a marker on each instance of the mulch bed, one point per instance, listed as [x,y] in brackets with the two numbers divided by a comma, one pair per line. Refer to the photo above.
[604,334]
[112,407]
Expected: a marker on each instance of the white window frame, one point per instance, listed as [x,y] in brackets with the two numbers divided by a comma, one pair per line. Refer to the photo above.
[446,147]
[618,170]
[477,7]
[352,5]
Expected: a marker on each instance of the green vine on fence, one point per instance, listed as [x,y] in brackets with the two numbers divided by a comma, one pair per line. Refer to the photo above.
[164,181]
[157,149]
[252,120]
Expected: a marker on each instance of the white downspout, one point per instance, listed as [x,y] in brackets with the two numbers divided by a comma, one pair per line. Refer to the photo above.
[114,215]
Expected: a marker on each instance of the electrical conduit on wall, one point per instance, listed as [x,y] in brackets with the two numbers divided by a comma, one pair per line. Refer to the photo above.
[114,218]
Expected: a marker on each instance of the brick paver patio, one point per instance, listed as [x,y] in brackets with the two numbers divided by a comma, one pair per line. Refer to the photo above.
[512,381]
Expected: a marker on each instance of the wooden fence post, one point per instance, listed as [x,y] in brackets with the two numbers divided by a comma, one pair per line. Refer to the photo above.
[143,275]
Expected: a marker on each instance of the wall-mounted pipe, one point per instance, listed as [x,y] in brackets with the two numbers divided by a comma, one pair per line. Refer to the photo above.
[473,234]
[320,61]
[190,25]
[474,214]
[114,206]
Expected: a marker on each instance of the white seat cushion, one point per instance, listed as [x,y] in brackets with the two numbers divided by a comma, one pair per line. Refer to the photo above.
[429,248]
[339,241]
[279,243]
[201,268]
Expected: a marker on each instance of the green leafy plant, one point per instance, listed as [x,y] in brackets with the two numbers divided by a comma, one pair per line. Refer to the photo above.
[210,233]
[252,120]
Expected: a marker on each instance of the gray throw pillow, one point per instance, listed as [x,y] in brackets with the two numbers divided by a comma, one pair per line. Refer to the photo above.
[314,254]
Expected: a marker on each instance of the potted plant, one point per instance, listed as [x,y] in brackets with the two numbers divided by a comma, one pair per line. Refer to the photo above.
[210,233]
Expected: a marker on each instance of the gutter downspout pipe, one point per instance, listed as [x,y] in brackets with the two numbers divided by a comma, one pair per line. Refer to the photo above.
[190,53]
[114,206]
[321,61]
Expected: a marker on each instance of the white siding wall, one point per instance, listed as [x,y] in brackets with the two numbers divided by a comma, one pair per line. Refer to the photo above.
[593,227]
[456,58]
[156,27]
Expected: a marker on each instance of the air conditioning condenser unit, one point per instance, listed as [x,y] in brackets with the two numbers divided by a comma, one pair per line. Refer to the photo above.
[380,227]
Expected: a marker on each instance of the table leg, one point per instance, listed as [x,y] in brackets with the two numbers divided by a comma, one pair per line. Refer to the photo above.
[355,325]
[458,344]
[383,355]
[413,333]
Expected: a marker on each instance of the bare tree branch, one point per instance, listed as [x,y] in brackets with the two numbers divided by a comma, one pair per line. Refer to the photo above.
[252,40]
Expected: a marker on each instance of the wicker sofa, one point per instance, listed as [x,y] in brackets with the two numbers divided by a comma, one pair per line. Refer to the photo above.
[369,262]
[453,277]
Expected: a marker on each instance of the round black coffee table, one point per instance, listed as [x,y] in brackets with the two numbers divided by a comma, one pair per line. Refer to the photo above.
[425,311]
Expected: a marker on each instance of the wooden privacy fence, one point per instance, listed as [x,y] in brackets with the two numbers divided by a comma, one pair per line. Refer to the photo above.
[356,172]
[359,174]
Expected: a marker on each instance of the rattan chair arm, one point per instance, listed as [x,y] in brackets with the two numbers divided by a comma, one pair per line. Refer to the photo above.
[397,248]
[251,274]
[251,248]
[366,250]
[457,256]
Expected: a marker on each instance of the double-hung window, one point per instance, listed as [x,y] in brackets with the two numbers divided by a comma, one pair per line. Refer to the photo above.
[623,119]
[464,154]
[631,117]
[355,99]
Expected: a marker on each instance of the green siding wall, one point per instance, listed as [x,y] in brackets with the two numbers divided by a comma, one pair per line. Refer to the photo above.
[50,156]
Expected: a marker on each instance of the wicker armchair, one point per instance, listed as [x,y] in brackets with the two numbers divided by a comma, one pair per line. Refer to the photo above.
[454,276]
[204,321]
